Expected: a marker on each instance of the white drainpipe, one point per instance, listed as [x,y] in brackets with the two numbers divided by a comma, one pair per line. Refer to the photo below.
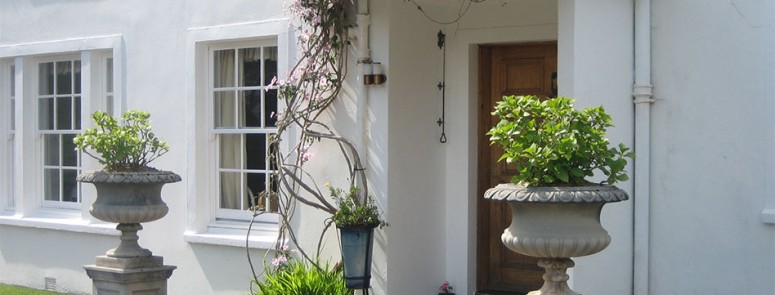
[642,93]
[362,95]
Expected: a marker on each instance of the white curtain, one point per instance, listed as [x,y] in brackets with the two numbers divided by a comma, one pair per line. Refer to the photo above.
[225,108]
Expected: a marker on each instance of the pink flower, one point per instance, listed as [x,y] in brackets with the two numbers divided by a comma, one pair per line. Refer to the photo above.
[445,287]
[279,260]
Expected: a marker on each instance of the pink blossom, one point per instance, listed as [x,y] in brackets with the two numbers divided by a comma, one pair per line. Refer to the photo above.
[279,260]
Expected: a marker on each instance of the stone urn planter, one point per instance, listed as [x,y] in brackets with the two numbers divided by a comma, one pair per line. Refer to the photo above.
[555,224]
[129,199]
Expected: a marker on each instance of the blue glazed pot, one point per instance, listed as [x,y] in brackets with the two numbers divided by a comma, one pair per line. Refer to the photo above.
[357,243]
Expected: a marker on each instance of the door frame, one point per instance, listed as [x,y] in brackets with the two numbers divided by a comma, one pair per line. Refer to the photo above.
[484,172]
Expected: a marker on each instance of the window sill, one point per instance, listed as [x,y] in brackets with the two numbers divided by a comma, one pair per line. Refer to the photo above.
[768,216]
[60,223]
[229,234]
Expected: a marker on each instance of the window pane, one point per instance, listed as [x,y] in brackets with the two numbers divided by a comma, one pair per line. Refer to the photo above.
[108,106]
[223,68]
[51,184]
[69,155]
[231,151]
[46,78]
[250,114]
[109,75]
[51,150]
[69,185]
[224,109]
[270,64]
[255,151]
[13,80]
[270,108]
[77,71]
[64,81]
[77,114]
[13,114]
[46,113]
[13,93]
[257,184]
[250,66]
[64,113]
[230,190]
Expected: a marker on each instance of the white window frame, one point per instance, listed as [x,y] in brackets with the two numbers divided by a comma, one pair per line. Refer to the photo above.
[30,209]
[234,214]
[7,112]
[204,226]
[41,133]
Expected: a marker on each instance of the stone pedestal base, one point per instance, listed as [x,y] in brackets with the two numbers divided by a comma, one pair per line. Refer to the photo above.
[129,276]
[555,279]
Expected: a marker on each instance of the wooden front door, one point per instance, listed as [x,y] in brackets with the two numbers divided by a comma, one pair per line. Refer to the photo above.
[506,70]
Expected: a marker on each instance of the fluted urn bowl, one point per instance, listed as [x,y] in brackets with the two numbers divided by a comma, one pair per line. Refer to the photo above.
[129,197]
[555,224]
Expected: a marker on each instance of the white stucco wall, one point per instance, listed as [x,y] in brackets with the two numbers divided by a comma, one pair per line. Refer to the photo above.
[712,126]
[154,44]
[712,144]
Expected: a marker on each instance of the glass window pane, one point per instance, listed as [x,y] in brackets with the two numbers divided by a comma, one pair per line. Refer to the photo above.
[250,114]
[230,190]
[231,151]
[64,81]
[77,72]
[13,114]
[46,78]
[250,66]
[51,150]
[256,184]
[109,75]
[51,184]
[64,113]
[223,68]
[270,108]
[46,113]
[69,154]
[108,106]
[13,80]
[255,151]
[69,185]
[270,64]
[77,114]
[224,109]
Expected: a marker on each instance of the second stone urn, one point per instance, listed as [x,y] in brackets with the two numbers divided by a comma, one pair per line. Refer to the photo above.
[555,224]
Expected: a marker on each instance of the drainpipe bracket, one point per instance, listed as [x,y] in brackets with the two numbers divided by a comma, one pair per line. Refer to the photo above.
[643,94]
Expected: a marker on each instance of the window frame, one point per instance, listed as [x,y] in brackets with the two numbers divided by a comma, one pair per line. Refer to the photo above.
[223,214]
[29,208]
[42,133]
[203,226]
[7,129]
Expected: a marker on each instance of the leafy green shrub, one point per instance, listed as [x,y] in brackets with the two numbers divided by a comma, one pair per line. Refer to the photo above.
[551,143]
[299,278]
[353,213]
[128,146]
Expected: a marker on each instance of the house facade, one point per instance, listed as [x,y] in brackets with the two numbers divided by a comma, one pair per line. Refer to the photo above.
[690,86]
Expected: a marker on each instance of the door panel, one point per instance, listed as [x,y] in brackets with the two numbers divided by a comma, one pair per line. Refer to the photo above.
[506,70]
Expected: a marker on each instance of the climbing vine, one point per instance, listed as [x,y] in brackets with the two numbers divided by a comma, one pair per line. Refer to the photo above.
[307,90]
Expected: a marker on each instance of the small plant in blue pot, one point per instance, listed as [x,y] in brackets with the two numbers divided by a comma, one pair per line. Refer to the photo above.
[356,219]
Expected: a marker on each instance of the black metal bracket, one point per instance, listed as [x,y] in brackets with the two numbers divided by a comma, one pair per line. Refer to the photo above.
[442,85]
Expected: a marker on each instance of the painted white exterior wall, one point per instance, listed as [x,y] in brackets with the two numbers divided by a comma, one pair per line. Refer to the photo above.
[713,135]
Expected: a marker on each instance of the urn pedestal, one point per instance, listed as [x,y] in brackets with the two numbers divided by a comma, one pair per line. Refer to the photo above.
[129,199]
[555,224]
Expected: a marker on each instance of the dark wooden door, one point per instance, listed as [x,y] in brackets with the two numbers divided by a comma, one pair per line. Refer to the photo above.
[506,70]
